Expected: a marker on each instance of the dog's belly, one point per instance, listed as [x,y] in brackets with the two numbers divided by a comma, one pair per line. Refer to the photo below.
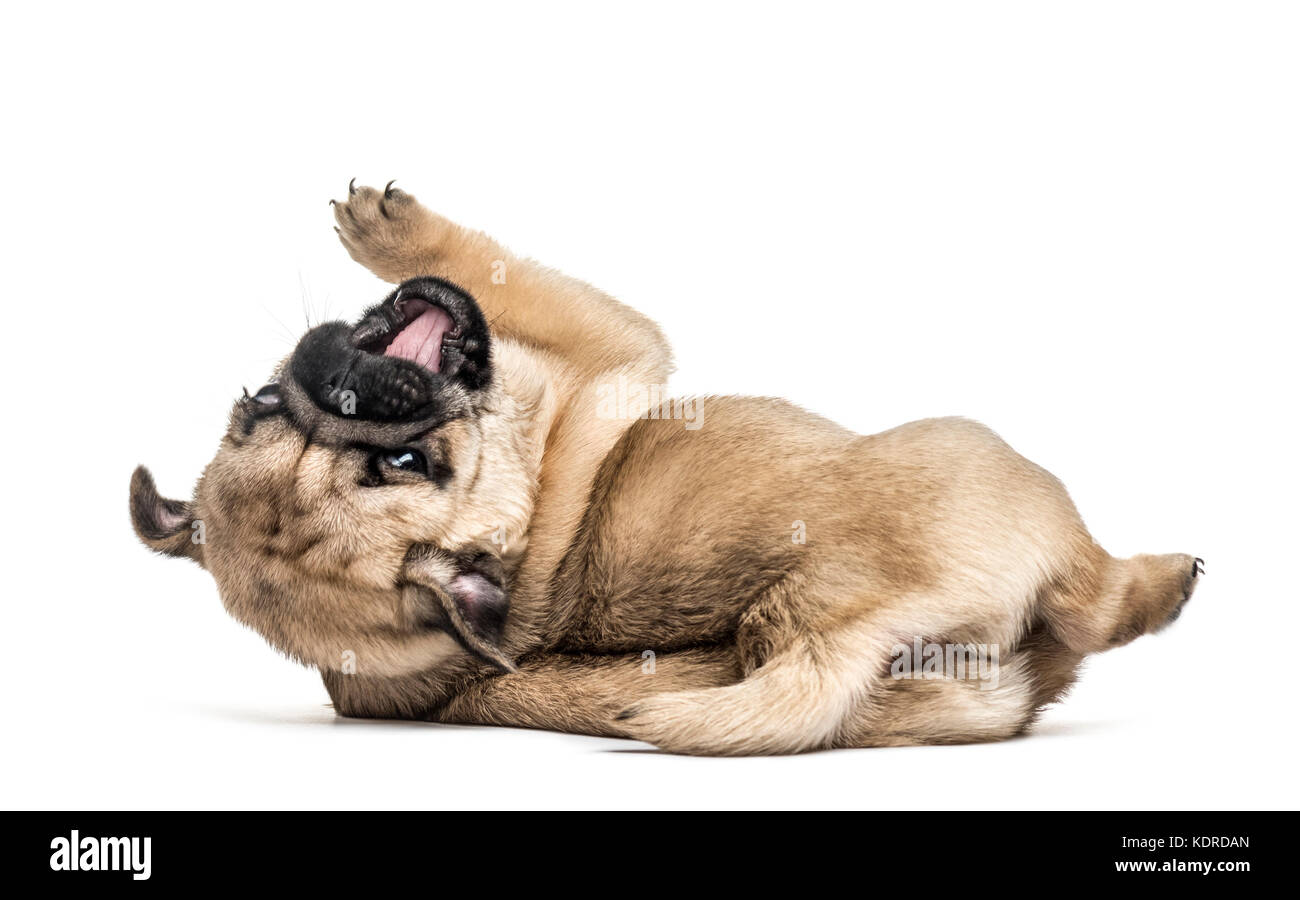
[685,530]
[668,601]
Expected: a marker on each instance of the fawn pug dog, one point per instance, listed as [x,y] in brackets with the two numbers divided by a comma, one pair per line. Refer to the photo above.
[434,507]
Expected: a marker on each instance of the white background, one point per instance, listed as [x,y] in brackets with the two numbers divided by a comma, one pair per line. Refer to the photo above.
[1075,222]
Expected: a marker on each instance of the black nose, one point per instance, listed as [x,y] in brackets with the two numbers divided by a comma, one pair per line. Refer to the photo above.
[346,381]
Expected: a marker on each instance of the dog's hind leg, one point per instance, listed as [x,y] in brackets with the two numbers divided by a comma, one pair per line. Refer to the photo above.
[1104,602]
[819,687]
[796,700]
[1002,703]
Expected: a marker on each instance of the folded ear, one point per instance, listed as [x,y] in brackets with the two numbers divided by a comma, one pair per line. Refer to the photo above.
[163,525]
[472,595]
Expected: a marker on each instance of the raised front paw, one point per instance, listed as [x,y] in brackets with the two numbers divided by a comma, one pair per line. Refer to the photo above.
[387,231]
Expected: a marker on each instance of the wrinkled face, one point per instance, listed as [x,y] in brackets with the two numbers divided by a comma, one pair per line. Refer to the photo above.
[353,511]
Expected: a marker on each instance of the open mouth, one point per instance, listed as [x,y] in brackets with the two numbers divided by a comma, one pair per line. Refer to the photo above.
[410,328]
[421,353]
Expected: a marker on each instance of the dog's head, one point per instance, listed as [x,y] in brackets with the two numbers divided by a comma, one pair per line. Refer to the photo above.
[356,510]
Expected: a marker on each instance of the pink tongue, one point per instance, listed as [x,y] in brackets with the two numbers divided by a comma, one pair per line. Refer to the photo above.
[421,341]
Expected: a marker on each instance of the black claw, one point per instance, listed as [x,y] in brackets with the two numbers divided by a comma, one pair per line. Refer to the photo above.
[388,189]
[352,187]
[332,203]
[1198,567]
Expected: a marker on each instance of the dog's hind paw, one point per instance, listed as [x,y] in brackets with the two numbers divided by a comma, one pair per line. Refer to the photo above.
[669,721]
[710,722]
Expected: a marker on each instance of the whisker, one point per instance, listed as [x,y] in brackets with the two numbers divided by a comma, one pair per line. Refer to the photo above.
[286,333]
[306,295]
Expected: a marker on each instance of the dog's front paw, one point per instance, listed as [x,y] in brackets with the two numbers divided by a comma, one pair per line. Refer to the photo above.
[387,231]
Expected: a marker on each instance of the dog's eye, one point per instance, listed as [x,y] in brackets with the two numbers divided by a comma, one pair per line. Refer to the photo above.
[405,465]
[268,395]
[407,460]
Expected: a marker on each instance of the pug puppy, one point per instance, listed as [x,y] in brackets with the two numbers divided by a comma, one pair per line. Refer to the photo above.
[439,508]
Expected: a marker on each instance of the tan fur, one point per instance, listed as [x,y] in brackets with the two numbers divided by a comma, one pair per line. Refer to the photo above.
[626,536]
